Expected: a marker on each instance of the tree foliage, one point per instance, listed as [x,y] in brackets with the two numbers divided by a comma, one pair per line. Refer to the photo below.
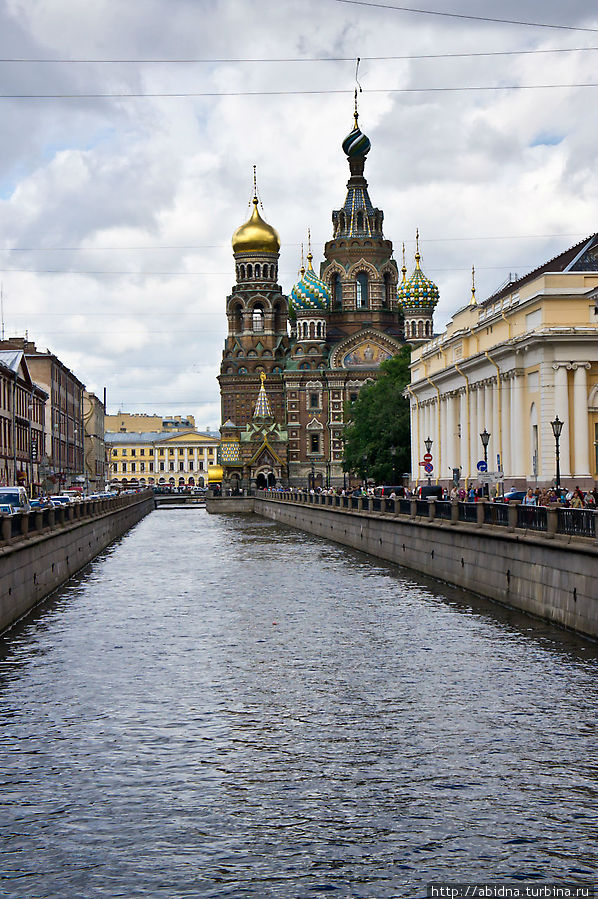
[379,420]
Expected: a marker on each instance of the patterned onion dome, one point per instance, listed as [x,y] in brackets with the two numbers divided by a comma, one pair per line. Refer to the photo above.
[356,143]
[256,235]
[418,292]
[310,294]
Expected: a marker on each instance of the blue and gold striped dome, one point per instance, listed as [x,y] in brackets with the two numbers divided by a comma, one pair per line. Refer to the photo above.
[310,294]
[356,143]
[418,292]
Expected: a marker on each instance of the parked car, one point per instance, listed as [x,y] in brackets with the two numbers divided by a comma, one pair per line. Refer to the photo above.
[16,498]
[61,500]
[6,509]
[512,495]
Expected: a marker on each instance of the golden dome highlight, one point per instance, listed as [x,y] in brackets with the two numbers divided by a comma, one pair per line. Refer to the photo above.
[256,235]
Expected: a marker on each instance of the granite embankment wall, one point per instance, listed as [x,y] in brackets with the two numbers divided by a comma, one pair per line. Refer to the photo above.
[39,551]
[549,575]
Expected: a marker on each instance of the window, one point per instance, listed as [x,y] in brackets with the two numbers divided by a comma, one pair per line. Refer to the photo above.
[258,318]
[171,452]
[200,465]
[115,452]
[171,466]
[181,466]
[124,467]
[142,452]
[161,466]
[161,452]
[151,466]
[314,401]
[314,443]
[133,452]
[142,466]
[124,452]
[132,466]
[190,466]
[352,397]
[362,290]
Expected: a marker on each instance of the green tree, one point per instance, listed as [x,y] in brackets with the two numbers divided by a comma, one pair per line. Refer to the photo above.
[379,420]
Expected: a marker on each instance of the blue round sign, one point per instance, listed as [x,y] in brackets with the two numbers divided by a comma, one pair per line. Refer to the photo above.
[482,466]
[428,468]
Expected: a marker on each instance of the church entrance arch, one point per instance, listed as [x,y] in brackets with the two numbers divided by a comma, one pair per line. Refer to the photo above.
[265,480]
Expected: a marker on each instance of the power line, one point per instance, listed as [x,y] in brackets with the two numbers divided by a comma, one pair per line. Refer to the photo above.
[226,245]
[291,59]
[455,15]
[289,93]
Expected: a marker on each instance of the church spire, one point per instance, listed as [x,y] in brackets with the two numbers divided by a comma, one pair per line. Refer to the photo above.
[262,406]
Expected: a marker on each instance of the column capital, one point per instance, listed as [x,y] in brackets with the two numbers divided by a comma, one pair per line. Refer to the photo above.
[580,365]
[557,365]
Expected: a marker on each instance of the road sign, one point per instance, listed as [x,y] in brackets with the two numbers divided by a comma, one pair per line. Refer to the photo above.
[492,477]
[482,466]
[427,457]
[428,467]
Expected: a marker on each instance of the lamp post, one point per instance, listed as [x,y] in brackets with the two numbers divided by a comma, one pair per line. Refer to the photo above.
[557,427]
[428,445]
[365,472]
[393,453]
[485,438]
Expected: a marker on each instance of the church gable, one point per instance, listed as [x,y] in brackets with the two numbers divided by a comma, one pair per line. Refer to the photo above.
[365,350]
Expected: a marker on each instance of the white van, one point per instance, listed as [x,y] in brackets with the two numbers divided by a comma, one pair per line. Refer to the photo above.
[16,497]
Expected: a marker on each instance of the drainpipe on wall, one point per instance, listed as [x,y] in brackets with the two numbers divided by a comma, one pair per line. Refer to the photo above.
[418,444]
[463,375]
[430,381]
[499,403]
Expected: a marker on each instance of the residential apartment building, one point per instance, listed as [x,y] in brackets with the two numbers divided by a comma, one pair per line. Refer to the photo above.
[178,459]
[95,458]
[22,405]
[136,421]
[62,454]
[507,367]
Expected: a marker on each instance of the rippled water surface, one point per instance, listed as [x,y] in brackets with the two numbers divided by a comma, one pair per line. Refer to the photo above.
[224,707]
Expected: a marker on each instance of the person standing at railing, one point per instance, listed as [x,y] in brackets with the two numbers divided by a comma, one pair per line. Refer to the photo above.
[530,499]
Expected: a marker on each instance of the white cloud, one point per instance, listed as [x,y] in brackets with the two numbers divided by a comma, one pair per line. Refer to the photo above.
[103,178]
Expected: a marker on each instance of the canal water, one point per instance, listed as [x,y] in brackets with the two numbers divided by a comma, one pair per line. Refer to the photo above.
[220,706]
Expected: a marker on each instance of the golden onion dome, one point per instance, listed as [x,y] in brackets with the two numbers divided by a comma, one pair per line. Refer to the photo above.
[256,235]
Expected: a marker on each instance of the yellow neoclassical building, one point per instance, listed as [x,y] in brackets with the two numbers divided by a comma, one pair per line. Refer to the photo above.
[157,458]
[509,366]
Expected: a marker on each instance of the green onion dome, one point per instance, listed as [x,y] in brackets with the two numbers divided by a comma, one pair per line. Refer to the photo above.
[309,294]
[418,292]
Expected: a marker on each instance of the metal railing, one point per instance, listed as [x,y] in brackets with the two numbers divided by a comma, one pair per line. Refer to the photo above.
[577,522]
[548,520]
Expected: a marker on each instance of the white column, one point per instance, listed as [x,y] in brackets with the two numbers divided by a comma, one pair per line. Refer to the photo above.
[580,419]
[473,431]
[518,425]
[561,408]
[464,440]
[451,459]
[506,426]
[414,441]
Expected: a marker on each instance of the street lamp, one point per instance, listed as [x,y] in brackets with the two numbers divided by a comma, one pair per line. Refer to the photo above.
[393,453]
[365,472]
[557,427]
[485,438]
[428,445]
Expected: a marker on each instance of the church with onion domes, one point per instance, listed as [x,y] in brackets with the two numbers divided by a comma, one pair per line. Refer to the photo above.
[291,364]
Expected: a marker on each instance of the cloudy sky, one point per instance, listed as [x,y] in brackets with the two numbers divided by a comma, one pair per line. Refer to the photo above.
[129,132]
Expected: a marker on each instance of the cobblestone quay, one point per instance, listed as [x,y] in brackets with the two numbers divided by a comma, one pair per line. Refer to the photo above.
[223,706]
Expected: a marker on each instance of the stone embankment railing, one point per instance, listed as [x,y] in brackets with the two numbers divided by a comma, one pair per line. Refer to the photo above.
[548,520]
[42,549]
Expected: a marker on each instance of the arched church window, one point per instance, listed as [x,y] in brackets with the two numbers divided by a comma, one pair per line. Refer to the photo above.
[362,290]
[242,273]
[250,271]
[387,290]
[257,270]
[312,332]
[237,318]
[319,329]
[420,329]
[258,318]
[360,221]
[427,329]
[337,291]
